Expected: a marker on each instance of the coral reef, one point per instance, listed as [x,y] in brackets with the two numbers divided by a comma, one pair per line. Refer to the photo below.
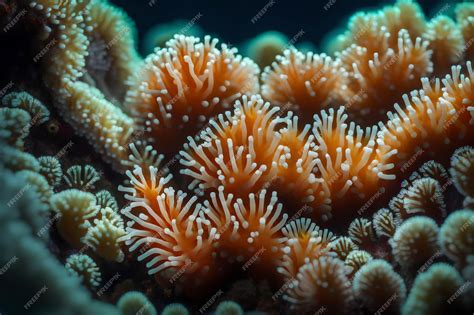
[318,184]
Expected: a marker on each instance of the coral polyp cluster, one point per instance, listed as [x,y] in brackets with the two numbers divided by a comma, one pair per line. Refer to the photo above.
[337,182]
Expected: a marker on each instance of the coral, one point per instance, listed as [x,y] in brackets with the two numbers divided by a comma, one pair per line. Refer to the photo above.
[38,112]
[462,170]
[34,266]
[169,225]
[265,47]
[239,151]
[432,291]
[464,16]
[456,236]
[39,183]
[81,177]
[105,125]
[50,168]
[446,42]
[379,287]
[321,282]
[343,246]
[385,223]
[415,241]
[17,160]
[105,199]
[180,87]
[361,231]
[135,302]
[305,83]
[304,241]
[356,259]
[112,57]
[229,308]
[424,197]
[103,237]
[82,266]
[75,208]
[175,309]
[15,126]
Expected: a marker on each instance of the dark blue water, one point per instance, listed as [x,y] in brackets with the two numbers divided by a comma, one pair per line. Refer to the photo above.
[231,21]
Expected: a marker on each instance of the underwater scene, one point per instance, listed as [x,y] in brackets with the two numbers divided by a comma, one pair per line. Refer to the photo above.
[265,157]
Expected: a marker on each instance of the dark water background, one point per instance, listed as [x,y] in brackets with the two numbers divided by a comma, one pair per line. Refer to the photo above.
[231,21]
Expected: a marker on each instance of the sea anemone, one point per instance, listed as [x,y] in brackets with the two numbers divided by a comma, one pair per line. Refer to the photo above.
[134,302]
[75,208]
[379,287]
[415,241]
[433,290]
[456,236]
[84,267]
[180,87]
[50,168]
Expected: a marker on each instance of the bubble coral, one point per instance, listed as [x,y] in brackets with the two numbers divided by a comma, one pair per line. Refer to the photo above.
[415,241]
[456,236]
[379,287]
[85,268]
[134,302]
[180,87]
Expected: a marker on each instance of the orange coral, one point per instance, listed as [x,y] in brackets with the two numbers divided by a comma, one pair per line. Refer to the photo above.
[182,86]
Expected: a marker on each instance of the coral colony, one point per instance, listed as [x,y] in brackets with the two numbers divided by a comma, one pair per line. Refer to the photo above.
[194,181]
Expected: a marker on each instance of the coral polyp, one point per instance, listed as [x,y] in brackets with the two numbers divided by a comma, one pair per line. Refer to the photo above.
[193,181]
